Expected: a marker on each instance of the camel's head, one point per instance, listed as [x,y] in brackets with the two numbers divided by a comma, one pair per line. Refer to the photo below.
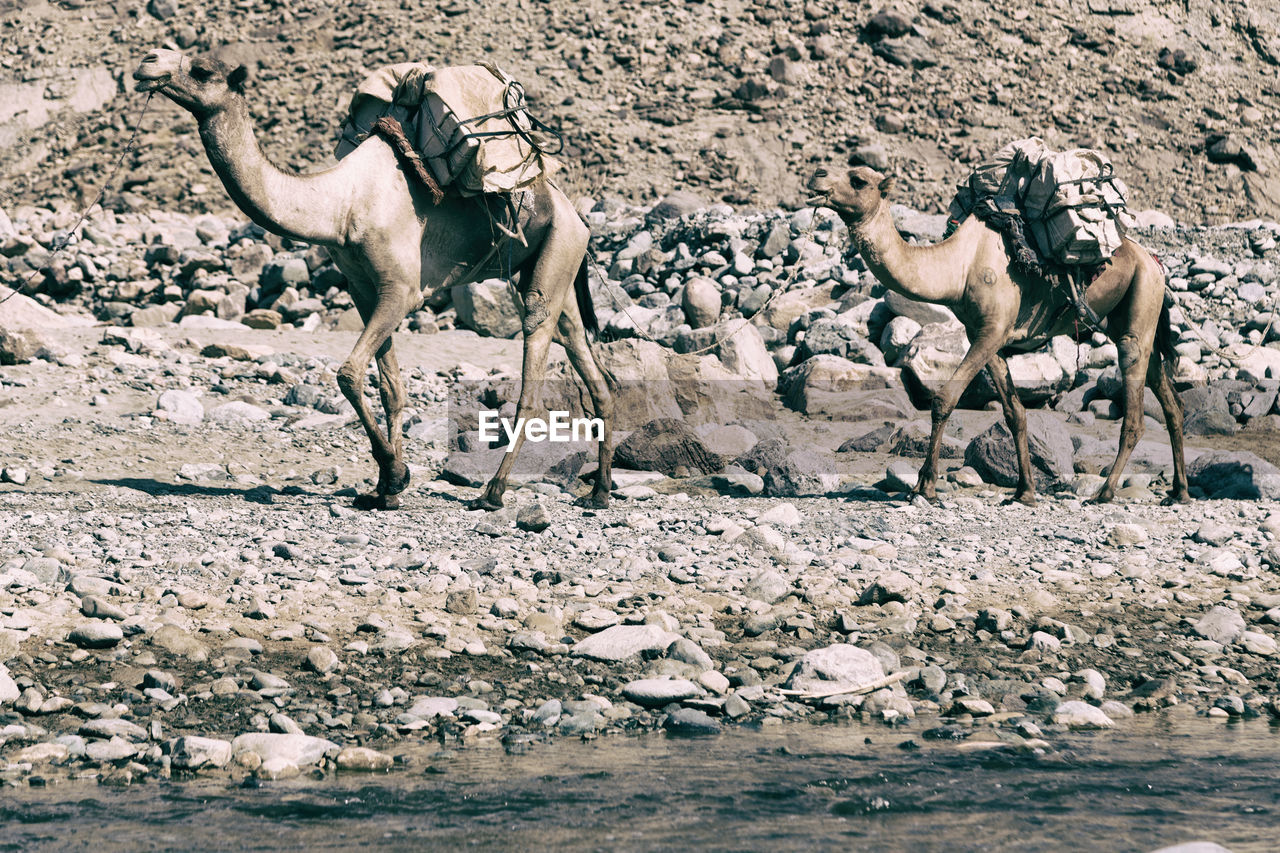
[854,194]
[202,85]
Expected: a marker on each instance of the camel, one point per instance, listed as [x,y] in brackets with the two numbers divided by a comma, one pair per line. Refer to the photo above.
[1001,310]
[397,248]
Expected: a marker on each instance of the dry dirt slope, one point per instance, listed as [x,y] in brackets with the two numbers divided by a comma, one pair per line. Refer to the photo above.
[733,99]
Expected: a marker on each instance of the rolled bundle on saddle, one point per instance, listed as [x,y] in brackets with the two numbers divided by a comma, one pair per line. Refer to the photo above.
[467,127]
[1062,213]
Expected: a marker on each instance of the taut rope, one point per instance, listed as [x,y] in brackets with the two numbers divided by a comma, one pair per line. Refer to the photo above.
[66,238]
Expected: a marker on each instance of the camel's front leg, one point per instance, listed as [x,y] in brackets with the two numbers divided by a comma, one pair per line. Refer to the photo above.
[1134,357]
[532,373]
[393,479]
[1016,417]
[379,325]
[980,352]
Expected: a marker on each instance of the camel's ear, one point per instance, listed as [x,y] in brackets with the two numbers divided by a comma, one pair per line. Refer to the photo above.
[235,80]
[886,185]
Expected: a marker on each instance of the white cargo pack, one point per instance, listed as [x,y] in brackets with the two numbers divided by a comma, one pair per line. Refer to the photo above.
[1072,202]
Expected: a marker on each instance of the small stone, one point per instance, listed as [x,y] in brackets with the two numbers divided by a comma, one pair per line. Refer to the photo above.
[364,760]
[322,659]
[533,518]
[1123,535]
[1221,625]
[96,635]
[690,721]
[1081,715]
[656,692]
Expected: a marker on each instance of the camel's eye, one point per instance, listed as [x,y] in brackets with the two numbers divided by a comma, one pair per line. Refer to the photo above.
[200,71]
[857,182]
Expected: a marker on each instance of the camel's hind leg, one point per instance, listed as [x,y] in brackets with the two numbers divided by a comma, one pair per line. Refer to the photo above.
[549,290]
[573,337]
[981,350]
[1135,354]
[1015,415]
[1162,384]
[391,390]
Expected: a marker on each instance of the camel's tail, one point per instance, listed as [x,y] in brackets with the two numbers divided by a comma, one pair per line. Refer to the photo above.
[1164,331]
[582,289]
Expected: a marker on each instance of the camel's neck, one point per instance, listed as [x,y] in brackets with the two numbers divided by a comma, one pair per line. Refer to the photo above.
[310,208]
[923,273]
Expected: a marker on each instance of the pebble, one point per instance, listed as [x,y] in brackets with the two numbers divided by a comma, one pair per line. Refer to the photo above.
[96,635]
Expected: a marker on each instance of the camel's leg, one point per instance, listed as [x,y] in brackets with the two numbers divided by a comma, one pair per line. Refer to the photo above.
[574,339]
[550,290]
[981,350]
[380,321]
[1135,354]
[1160,382]
[1015,415]
[533,372]
[391,390]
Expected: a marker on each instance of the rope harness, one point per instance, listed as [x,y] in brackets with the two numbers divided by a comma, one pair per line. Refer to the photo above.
[66,238]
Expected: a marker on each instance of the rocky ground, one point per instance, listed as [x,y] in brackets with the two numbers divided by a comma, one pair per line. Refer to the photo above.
[735,100]
[185,587]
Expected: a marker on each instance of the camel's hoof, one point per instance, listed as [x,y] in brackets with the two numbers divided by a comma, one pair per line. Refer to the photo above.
[593,501]
[485,503]
[381,502]
[1102,497]
[1176,498]
[1025,500]
[398,480]
[931,496]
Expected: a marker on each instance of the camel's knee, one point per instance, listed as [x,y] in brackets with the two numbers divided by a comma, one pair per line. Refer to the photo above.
[536,311]
[351,380]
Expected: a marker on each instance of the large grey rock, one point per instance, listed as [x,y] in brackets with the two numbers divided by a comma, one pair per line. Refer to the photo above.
[790,473]
[656,692]
[993,456]
[488,308]
[283,754]
[182,407]
[701,302]
[842,664]
[1207,412]
[669,446]
[833,337]
[192,753]
[838,388]
[1081,715]
[9,691]
[622,642]
[739,346]
[1234,474]
[1220,624]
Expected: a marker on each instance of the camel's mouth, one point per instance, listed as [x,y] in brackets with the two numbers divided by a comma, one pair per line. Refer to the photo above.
[148,83]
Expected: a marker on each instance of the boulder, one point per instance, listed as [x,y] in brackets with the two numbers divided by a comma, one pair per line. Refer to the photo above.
[487,308]
[839,388]
[701,302]
[669,446]
[621,642]
[993,456]
[897,336]
[1239,474]
[790,473]
[832,337]
[930,360]
[739,346]
[840,664]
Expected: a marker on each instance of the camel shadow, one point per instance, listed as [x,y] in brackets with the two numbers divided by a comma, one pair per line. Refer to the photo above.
[253,494]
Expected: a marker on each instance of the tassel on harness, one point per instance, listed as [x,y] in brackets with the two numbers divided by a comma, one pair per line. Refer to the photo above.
[391,130]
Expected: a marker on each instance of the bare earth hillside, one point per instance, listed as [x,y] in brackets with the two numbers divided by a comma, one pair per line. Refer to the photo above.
[732,100]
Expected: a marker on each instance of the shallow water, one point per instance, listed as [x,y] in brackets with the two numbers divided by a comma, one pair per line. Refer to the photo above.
[1157,782]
